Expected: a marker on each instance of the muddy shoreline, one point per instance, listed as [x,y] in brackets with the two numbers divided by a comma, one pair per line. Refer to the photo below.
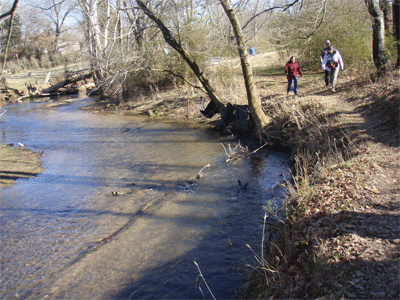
[18,162]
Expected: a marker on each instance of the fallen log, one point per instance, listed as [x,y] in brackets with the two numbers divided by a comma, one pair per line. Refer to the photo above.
[54,89]
[57,86]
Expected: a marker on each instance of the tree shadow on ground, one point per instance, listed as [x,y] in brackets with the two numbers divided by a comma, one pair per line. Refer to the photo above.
[363,265]
[380,109]
[367,248]
[183,280]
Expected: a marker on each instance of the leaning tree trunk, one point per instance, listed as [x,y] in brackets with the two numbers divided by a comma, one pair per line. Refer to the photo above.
[378,39]
[169,38]
[259,117]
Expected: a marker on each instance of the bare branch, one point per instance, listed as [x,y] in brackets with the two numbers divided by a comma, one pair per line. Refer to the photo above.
[9,13]
[283,8]
[177,75]
[323,10]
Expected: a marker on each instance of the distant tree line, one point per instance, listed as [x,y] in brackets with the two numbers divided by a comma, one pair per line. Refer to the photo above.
[118,37]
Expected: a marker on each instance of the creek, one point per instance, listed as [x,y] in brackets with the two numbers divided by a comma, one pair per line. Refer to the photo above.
[117,212]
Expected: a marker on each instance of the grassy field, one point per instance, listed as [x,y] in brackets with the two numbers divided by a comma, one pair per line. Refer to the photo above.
[22,79]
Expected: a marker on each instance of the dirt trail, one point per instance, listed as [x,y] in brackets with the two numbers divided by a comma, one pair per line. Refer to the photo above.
[368,241]
[364,248]
[368,245]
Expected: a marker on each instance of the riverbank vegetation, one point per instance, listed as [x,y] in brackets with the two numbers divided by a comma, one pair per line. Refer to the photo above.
[337,232]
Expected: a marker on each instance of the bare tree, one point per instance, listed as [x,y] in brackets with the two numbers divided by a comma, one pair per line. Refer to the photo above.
[57,11]
[386,7]
[10,12]
[90,9]
[259,117]
[177,46]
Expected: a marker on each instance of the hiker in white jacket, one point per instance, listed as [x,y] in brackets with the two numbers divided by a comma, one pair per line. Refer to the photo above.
[332,62]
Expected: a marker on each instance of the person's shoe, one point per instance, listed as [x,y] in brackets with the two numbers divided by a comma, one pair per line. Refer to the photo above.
[333,90]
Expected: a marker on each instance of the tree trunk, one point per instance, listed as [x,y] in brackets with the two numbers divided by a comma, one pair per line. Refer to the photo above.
[12,12]
[90,8]
[169,38]
[378,39]
[54,88]
[259,117]
[386,7]
[396,27]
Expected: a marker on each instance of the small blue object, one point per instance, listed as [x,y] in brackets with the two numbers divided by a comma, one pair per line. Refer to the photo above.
[252,51]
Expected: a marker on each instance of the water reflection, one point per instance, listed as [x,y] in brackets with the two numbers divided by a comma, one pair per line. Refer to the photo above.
[116,213]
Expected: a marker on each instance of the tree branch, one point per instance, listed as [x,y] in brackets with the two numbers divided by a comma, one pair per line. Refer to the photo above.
[9,13]
[170,40]
[284,8]
[177,75]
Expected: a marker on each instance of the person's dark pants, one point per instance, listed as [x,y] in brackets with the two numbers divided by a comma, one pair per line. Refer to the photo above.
[296,88]
[327,77]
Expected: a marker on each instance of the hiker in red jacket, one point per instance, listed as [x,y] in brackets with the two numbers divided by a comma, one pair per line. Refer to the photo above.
[292,71]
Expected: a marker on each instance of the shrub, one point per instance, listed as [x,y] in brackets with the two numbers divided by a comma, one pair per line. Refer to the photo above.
[33,63]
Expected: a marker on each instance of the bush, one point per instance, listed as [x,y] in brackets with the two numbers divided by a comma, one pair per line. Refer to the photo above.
[14,67]
[45,61]
[33,63]
[142,82]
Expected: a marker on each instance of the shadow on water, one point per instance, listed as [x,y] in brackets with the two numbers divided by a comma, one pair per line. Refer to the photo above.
[181,276]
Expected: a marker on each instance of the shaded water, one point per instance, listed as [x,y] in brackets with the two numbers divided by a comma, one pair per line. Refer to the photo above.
[116,213]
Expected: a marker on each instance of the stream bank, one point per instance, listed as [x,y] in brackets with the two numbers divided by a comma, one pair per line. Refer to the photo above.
[18,162]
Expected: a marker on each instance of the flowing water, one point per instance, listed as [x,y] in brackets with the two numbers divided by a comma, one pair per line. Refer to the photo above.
[117,213]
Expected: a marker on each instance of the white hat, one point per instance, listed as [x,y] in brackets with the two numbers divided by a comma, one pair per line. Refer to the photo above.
[328,42]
